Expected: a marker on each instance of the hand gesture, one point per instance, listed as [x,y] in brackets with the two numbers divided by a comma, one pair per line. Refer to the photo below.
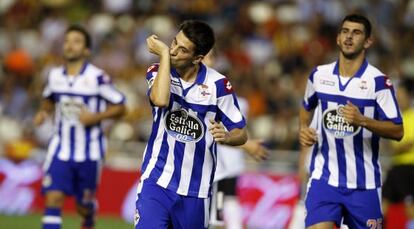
[156,46]
[255,149]
[307,136]
[220,134]
[352,114]
[87,118]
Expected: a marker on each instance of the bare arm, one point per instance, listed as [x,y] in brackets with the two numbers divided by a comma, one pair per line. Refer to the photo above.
[112,111]
[255,149]
[160,91]
[46,109]
[307,135]
[235,137]
[386,129]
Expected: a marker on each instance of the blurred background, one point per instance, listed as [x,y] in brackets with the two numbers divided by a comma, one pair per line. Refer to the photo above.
[266,48]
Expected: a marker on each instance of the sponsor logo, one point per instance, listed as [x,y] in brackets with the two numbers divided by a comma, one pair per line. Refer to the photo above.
[388,82]
[335,123]
[183,126]
[327,82]
[227,86]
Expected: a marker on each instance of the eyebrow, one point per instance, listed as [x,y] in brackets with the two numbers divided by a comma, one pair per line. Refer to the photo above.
[180,46]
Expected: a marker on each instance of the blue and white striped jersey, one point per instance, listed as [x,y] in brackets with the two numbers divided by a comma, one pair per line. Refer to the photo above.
[92,90]
[181,153]
[346,155]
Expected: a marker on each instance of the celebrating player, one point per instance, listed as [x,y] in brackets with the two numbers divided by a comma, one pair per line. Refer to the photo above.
[194,107]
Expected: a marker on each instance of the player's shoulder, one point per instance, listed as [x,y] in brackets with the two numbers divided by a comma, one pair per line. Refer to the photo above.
[325,68]
[213,75]
[373,72]
[92,70]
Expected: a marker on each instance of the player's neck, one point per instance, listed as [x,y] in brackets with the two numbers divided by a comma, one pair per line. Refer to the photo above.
[189,74]
[348,67]
[73,68]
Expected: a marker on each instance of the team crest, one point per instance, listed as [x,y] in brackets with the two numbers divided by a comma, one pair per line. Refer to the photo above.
[363,85]
[184,126]
[335,123]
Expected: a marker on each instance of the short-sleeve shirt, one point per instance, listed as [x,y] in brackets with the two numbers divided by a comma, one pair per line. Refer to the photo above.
[347,155]
[92,90]
[181,153]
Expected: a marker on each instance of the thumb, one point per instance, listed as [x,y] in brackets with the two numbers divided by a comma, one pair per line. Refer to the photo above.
[212,121]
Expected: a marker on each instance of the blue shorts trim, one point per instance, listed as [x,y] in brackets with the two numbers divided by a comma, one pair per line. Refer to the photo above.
[158,208]
[356,208]
[72,178]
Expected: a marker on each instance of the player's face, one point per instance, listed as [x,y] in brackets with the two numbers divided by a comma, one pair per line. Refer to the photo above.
[74,46]
[352,40]
[182,52]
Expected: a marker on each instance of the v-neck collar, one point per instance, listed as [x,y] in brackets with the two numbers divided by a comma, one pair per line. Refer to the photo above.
[200,78]
[358,74]
[85,64]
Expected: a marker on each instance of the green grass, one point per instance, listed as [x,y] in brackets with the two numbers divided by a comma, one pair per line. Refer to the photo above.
[32,221]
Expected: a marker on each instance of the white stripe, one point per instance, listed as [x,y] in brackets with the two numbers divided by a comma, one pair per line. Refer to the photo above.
[186,169]
[80,154]
[227,102]
[94,148]
[168,170]
[52,219]
[350,162]
[51,152]
[332,155]
[208,161]
[64,153]
[368,166]
[206,212]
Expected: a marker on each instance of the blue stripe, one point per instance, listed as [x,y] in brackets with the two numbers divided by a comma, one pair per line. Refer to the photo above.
[375,148]
[312,74]
[312,102]
[151,139]
[359,158]
[340,154]
[197,171]
[84,96]
[213,150]
[72,142]
[87,143]
[383,117]
[325,149]
[161,159]
[195,107]
[59,146]
[381,83]
[313,157]
[179,148]
[343,99]
[101,144]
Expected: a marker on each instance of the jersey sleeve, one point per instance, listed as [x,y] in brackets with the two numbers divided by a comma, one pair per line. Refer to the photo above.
[108,91]
[151,75]
[310,100]
[228,108]
[47,90]
[387,106]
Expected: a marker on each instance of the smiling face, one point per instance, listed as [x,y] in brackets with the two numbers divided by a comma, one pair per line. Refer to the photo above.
[74,47]
[182,52]
[352,39]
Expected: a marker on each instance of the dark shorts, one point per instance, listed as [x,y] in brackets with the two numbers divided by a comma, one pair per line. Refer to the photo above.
[227,186]
[358,208]
[72,178]
[399,183]
[160,208]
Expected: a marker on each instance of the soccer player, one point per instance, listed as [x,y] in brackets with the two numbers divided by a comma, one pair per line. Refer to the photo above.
[356,106]
[194,107]
[81,96]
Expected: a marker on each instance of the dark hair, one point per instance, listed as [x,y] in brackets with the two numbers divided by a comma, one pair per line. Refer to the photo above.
[83,31]
[359,19]
[200,33]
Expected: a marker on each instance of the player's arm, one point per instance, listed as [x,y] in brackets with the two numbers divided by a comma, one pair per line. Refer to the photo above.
[234,137]
[47,107]
[113,111]
[160,90]
[307,135]
[386,129]
[255,149]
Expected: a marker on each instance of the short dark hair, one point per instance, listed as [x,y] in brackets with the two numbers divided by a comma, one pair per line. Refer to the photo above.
[358,18]
[83,31]
[200,33]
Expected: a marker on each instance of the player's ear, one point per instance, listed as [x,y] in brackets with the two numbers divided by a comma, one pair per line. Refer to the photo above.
[368,42]
[198,59]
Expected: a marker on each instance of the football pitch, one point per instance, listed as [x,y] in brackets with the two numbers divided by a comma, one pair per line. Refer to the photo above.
[70,221]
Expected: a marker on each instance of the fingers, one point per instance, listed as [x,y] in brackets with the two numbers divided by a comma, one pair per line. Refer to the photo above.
[217,130]
[308,137]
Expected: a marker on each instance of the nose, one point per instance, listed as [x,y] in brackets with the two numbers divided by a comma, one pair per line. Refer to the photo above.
[173,51]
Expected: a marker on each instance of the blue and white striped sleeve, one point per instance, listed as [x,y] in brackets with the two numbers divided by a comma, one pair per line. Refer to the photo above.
[310,99]
[108,91]
[387,102]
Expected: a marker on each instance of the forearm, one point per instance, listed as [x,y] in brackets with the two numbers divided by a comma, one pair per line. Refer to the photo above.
[47,106]
[304,117]
[386,129]
[160,91]
[112,112]
[236,137]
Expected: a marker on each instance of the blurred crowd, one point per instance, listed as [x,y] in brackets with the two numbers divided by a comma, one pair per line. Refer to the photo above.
[267,48]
